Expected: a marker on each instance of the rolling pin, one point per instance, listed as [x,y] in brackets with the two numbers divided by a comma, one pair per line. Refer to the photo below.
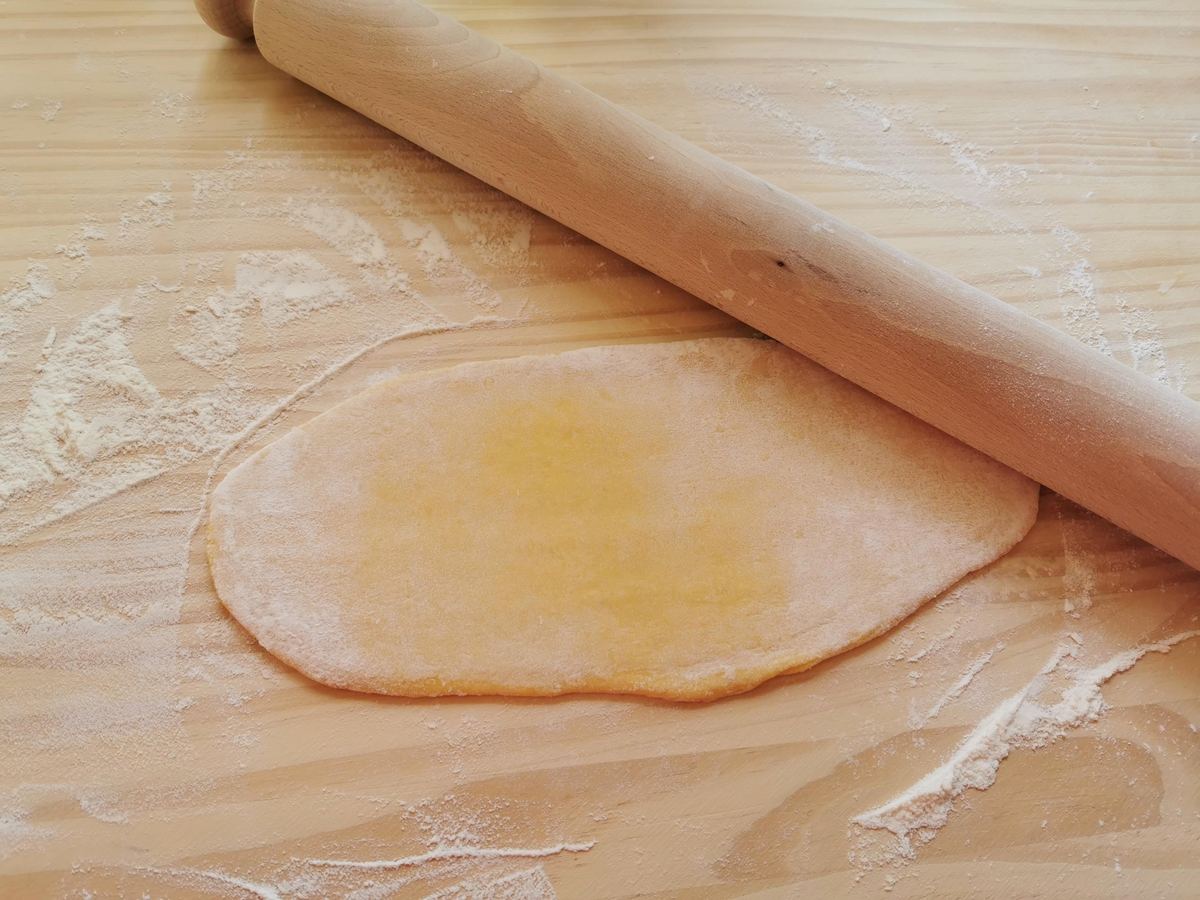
[1019,390]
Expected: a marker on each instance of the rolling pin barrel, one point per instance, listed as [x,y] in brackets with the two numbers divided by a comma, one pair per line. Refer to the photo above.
[1015,388]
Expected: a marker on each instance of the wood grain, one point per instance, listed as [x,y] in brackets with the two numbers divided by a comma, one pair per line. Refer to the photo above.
[1045,155]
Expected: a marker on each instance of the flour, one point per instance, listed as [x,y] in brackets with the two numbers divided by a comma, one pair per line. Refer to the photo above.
[198,876]
[457,852]
[492,232]
[969,182]
[341,228]
[238,170]
[282,287]
[22,295]
[975,162]
[154,210]
[288,286]
[101,807]
[894,146]
[174,105]
[96,424]
[1079,575]
[1080,310]
[957,689]
[328,878]
[754,99]
[356,239]
[15,829]
[75,250]
[970,158]
[450,825]
[500,234]
[527,884]
[51,109]
[936,644]
[1144,338]
[1022,721]
[439,263]
[27,292]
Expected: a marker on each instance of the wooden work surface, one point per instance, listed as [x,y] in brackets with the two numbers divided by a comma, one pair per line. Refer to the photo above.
[159,186]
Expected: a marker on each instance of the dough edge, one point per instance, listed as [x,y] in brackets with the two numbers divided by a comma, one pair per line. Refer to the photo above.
[693,689]
[697,690]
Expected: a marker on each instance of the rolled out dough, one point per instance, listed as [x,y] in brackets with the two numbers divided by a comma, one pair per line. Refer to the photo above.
[680,520]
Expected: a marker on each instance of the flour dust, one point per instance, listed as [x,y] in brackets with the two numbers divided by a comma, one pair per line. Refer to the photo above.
[896,152]
[139,348]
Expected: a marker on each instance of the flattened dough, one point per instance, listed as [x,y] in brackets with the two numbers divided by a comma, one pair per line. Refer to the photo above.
[680,520]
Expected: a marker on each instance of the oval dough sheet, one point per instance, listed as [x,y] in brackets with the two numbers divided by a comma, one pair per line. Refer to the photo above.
[680,520]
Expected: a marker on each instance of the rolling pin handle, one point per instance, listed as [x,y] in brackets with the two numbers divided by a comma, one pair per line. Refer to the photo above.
[232,18]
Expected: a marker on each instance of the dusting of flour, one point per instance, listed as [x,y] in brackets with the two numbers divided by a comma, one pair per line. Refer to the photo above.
[124,383]
[1024,720]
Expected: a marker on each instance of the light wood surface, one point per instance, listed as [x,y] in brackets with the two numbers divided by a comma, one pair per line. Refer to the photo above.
[980,369]
[1047,156]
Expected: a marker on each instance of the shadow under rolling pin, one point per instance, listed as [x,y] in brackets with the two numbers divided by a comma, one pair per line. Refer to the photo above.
[1107,437]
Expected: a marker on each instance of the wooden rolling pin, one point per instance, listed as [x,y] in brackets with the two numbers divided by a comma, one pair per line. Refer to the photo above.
[1019,390]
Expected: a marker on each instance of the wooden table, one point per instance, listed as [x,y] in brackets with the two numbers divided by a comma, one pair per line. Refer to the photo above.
[197,252]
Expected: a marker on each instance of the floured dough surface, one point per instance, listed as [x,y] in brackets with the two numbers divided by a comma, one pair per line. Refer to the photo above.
[680,520]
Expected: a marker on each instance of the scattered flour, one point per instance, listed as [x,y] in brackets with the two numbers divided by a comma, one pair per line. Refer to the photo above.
[957,689]
[358,241]
[527,884]
[439,262]
[281,286]
[1080,309]
[51,109]
[76,248]
[501,234]
[253,888]
[102,807]
[288,286]
[341,228]
[456,852]
[892,145]
[29,291]
[1144,338]
[970,185]
[155,210]
[95,424]
[937,643]
[15,829]
[500,237]
[1079,576]
[455,829]
[238,170]
[915,816]
[174,105]
[89,420]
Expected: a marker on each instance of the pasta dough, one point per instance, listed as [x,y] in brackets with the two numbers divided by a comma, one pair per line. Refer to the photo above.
[679,520]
